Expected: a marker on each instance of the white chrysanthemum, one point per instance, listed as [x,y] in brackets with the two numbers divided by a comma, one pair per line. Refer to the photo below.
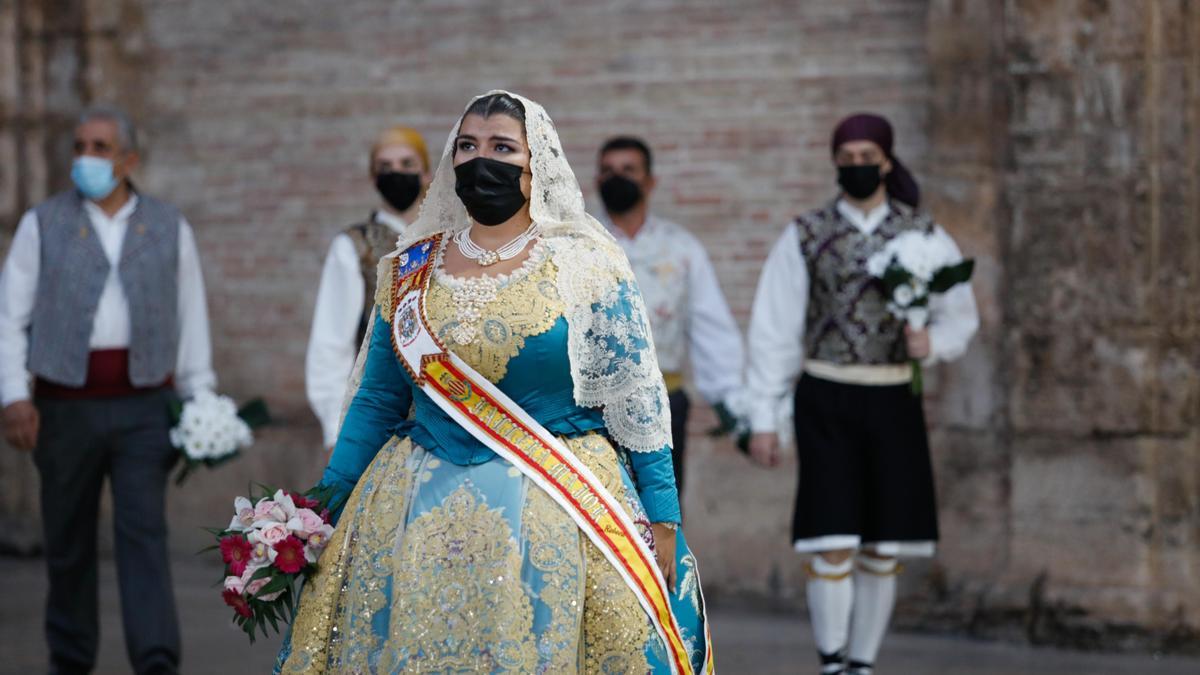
[903,295]
[195,449]
[920,254]
[209,428]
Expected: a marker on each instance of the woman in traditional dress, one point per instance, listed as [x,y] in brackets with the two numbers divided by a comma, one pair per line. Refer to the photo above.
[506,453]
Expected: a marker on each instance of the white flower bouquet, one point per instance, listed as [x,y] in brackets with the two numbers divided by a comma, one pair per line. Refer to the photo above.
[912,267]
[210,429]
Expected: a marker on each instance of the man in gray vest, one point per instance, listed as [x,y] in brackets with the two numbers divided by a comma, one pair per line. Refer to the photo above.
[102,322]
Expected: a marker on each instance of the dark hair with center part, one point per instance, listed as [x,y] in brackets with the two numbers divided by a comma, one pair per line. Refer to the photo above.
[629,143]
[493,104]
[497,104]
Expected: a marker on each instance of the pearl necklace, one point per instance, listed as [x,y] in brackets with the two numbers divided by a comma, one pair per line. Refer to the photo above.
[472,251]
[470,299]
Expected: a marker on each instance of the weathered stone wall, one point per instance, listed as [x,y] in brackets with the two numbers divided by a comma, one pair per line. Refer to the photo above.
[963,187]
[1055,140]
[1103,244]
[1066,135]
[1106,212]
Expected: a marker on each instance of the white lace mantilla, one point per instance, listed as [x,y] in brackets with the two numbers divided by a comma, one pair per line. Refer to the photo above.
[613,362]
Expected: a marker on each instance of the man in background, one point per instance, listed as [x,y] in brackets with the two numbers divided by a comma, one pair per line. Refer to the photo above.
[102,306]
[689,317]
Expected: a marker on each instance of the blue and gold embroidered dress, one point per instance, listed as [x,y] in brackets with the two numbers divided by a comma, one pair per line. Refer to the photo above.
[445,557]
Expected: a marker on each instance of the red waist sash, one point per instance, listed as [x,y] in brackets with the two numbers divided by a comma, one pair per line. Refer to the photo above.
[107,377]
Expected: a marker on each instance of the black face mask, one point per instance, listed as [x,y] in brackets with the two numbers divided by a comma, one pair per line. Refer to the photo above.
[399,190]
[490,189]
[859,182]
[620,194]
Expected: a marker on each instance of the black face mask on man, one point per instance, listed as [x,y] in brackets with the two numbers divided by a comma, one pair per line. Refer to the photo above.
[619,194]
[490,189]
[860,181]
[398,189]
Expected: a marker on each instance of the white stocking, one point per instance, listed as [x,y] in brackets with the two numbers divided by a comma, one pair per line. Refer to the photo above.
[874,597]
[830,597]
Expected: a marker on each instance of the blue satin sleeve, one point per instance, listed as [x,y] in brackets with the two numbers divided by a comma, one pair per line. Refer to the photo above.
[381,403]
[655,480]
[653,471]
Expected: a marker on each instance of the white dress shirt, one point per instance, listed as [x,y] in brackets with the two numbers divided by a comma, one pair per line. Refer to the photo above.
[689,317]
[332,344]
[111,326]
[778,318]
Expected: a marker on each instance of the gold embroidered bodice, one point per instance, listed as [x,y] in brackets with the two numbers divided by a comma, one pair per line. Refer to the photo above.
[525,303]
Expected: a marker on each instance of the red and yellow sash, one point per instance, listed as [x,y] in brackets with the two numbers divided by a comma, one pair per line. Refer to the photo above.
[499,423]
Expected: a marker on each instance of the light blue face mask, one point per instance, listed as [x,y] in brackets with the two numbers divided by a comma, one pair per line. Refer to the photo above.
[94,176]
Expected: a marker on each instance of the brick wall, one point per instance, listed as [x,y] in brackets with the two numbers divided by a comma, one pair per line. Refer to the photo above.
[259,126]
[257,119]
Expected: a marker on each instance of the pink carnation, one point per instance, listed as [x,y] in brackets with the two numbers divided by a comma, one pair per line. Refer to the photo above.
[268,510]
[273,534]
[305,523]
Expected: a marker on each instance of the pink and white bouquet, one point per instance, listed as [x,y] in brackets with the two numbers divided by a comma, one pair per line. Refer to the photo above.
[913,266]
[210,429]
[268,546]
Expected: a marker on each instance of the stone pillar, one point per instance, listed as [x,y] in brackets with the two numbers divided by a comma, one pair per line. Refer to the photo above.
[1104,245]
[963,187]
[1068,135]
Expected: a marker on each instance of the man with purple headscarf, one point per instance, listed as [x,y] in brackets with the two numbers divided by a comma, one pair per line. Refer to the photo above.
[821,329]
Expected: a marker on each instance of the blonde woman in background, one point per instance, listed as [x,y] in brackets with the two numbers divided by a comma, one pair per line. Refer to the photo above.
[399,170]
